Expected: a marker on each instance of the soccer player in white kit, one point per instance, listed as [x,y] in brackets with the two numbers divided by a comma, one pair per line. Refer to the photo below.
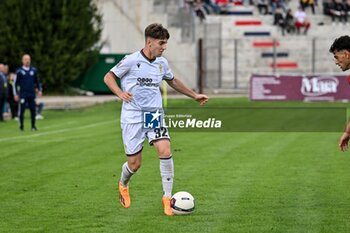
[341,51]
[140,75]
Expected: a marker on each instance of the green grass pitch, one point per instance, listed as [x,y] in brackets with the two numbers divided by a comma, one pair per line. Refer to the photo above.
[63,178]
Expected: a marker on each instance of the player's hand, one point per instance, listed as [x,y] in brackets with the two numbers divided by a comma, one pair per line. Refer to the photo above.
[202,99]
[343,142]
[40,93]
[16,97]
[126,96]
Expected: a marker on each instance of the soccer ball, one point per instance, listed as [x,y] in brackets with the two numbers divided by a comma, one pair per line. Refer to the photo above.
[182,203]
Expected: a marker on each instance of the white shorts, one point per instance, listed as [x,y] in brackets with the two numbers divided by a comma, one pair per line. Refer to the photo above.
[134,136]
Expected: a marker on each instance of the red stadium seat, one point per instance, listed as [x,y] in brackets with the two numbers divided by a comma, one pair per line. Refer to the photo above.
[248,23]
[238,3]
[222,2]
[285,65]
[264,44]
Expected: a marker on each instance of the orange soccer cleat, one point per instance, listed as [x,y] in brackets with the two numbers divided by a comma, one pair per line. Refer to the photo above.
[124,196]
[167,207]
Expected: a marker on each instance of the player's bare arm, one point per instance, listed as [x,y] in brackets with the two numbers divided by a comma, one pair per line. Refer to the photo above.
[344,139]
[182,88]
[110,81]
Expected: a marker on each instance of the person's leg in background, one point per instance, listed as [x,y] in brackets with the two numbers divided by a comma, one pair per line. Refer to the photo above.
[39,109]
[13,107]
[31,105]
[21,110]
[2,102]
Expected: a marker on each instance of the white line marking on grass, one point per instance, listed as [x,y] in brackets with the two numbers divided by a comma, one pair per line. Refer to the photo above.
[56,131]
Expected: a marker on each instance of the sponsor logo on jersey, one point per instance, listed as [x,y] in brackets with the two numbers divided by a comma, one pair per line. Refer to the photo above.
[148,82]
[317,86]
[160,68]
[151,120]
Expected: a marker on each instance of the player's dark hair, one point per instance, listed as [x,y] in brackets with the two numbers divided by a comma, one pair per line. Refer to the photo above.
[156,31]
[341,43]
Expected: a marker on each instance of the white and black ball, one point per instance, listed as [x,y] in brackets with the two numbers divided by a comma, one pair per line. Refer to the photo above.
[182,203]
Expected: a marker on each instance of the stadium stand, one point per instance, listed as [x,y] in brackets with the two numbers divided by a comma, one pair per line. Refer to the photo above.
[255,53]
[237,42]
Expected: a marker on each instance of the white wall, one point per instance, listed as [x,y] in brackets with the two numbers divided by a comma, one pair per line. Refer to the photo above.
[124,22]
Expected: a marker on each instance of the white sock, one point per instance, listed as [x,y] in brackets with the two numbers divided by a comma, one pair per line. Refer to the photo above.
[167,174]
[126,174]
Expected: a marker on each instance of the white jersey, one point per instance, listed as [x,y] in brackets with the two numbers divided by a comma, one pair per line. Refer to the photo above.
[142,78]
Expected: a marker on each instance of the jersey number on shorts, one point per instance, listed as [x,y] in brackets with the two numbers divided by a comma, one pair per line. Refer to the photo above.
[161,132]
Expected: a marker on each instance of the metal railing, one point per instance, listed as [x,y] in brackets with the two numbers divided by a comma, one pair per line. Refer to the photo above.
[229,63]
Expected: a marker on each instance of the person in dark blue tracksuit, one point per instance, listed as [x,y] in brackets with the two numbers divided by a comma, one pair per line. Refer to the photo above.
[3,90]
[26,82]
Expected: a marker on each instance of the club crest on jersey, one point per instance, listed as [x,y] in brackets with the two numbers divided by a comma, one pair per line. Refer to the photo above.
[138,65]
[160,68]
[152,120]
[31,73]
